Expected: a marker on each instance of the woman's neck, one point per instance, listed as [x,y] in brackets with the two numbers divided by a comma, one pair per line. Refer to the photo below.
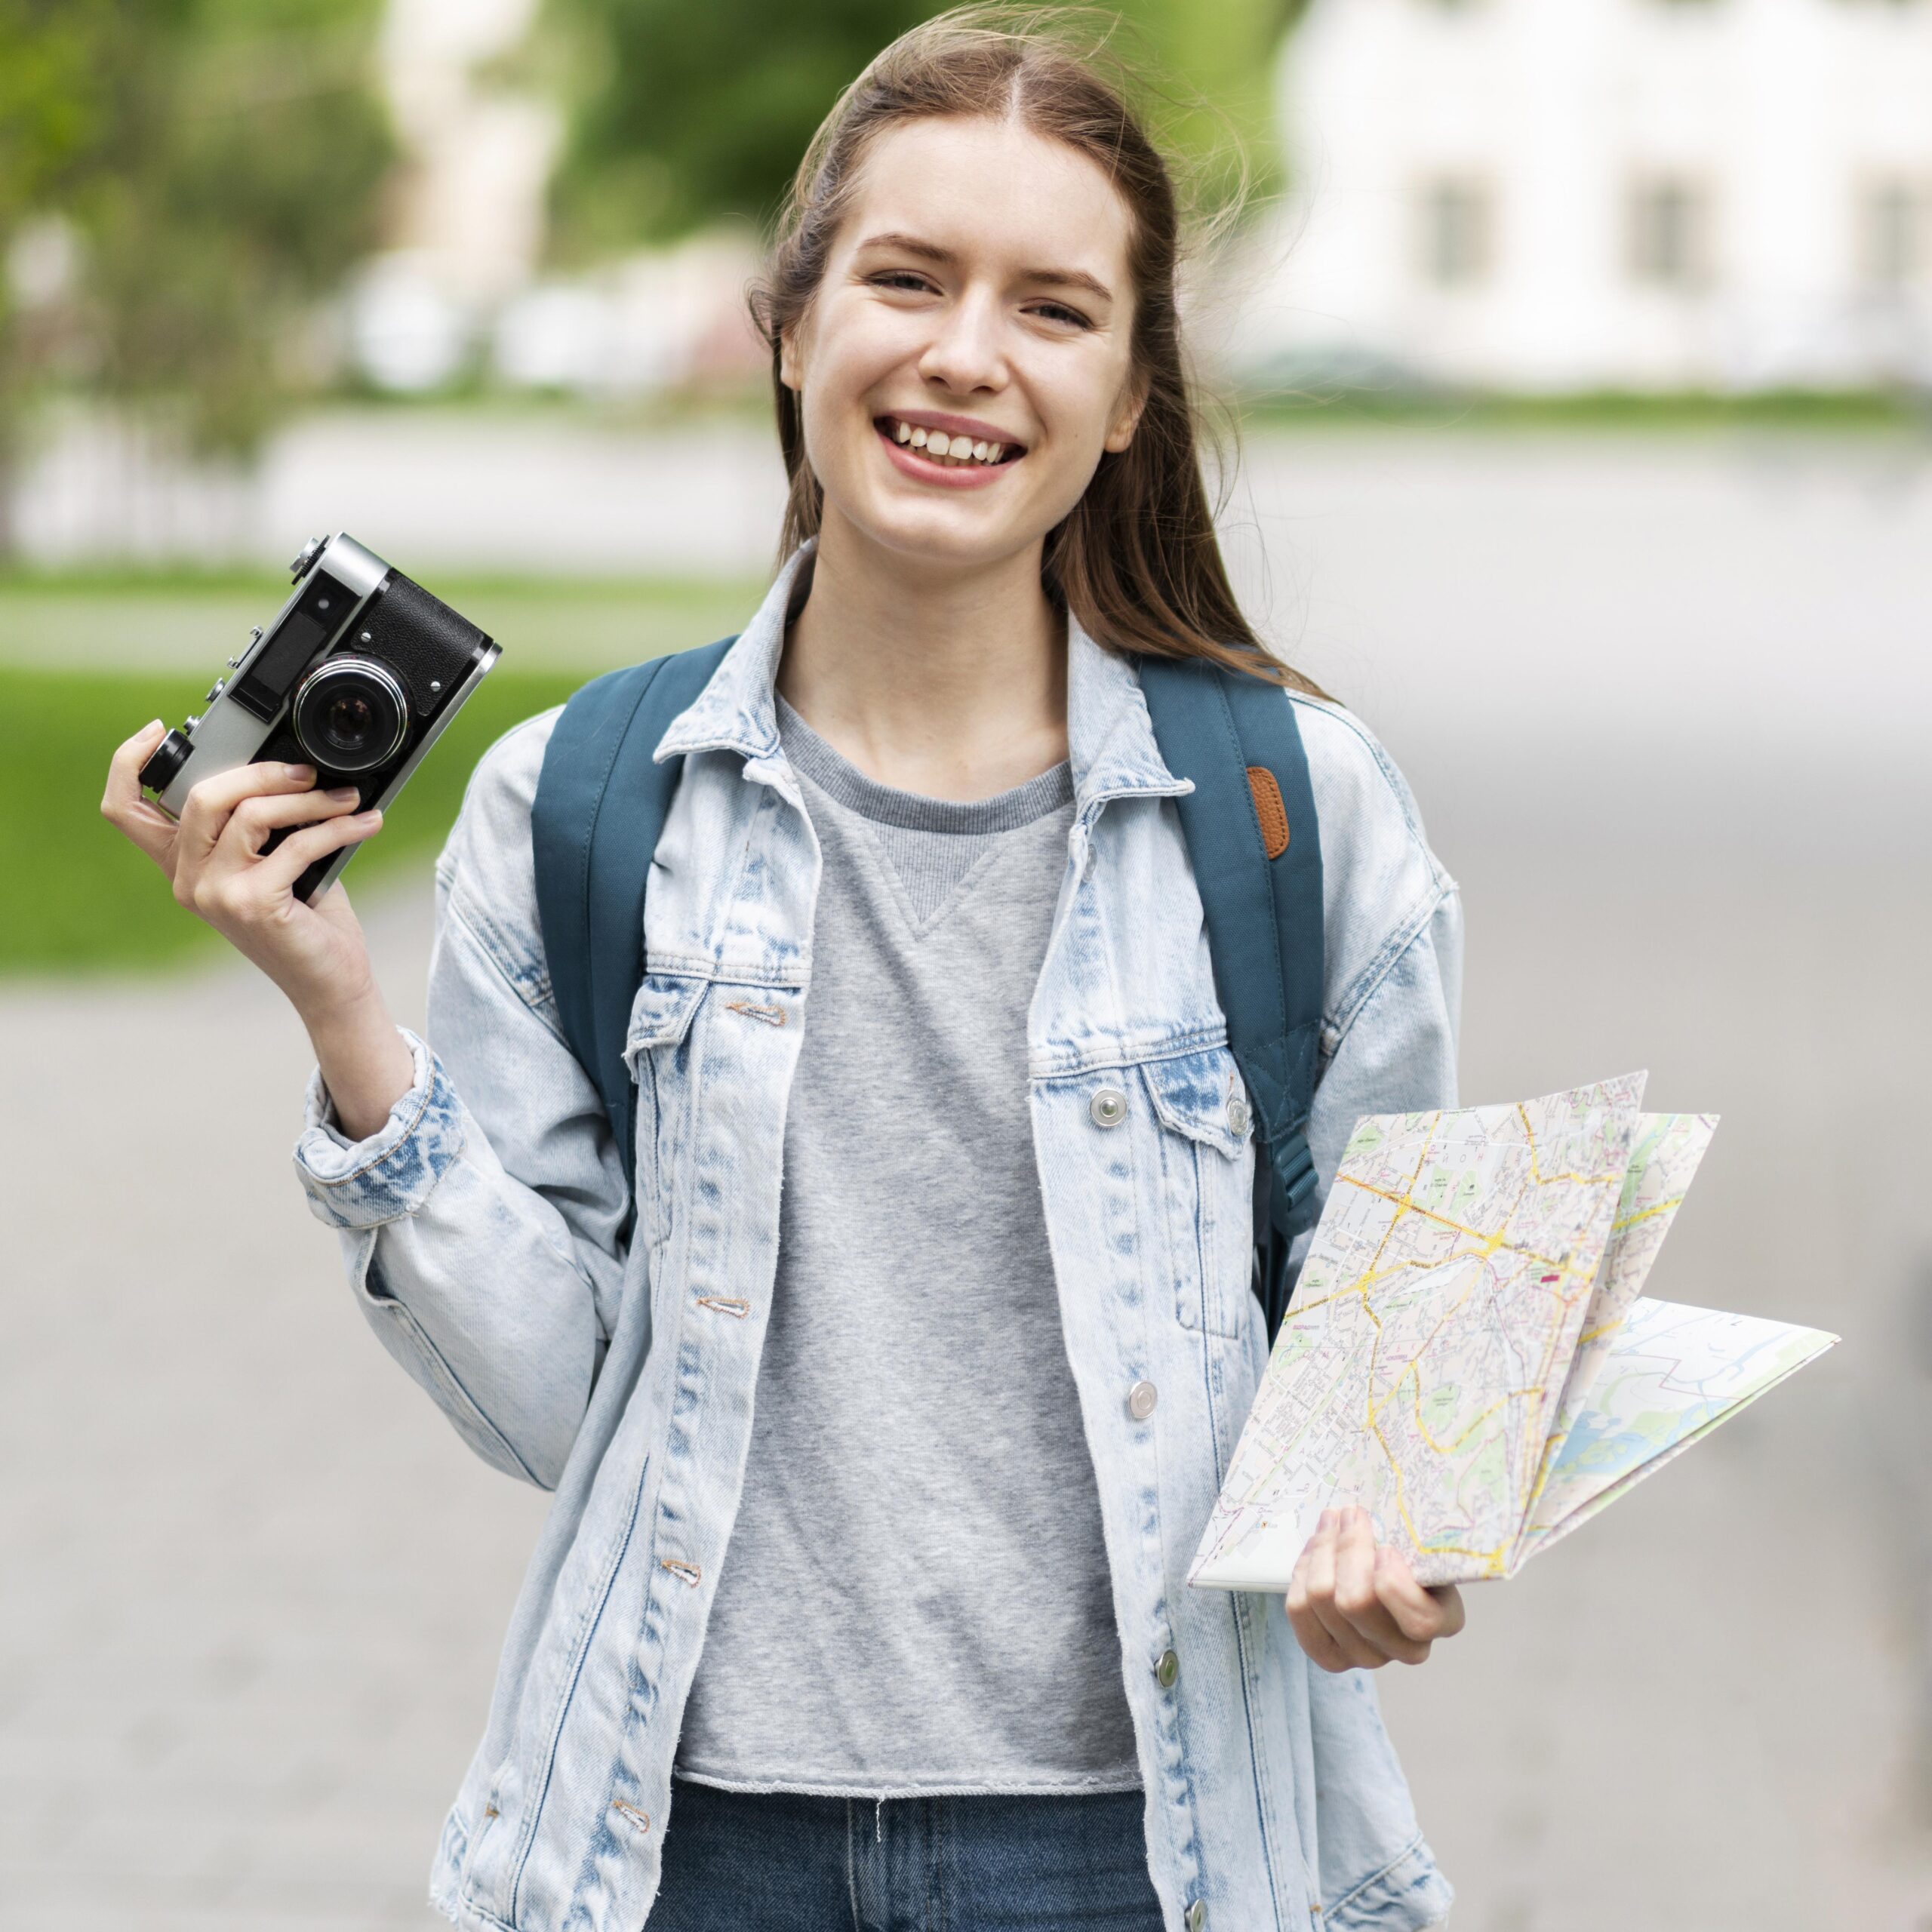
[948,683]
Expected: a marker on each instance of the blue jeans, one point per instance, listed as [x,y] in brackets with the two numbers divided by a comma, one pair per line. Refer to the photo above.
[778,1862]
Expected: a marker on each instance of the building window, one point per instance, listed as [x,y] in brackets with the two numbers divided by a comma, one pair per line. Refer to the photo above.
[1894,228]
[1456,231]
[1670,232]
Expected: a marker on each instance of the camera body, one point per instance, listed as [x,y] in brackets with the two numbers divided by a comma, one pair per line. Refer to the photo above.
[359,675]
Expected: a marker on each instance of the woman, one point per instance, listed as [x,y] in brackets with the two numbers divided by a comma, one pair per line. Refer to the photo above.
[922,902]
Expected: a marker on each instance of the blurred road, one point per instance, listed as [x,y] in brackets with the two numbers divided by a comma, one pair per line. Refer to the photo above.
[1664,708]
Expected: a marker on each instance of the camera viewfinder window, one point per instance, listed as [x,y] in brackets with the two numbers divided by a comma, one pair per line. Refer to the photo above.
[324,605]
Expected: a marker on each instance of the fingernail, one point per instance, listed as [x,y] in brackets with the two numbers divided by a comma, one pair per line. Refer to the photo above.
[371,820]
[1327,1519]
[301,774]
[343,795]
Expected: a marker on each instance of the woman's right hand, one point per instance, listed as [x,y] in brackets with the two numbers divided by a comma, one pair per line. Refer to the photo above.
[214,857]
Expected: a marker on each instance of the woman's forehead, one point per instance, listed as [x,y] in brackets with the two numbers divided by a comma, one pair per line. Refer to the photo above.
[994,191]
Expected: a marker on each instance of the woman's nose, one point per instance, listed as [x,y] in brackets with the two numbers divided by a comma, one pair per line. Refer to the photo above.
[966,351]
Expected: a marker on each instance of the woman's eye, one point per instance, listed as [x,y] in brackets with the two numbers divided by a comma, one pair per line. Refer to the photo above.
[1060,312]
[904,277]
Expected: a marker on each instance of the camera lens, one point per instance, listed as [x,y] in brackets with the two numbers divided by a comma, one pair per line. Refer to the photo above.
[350,715]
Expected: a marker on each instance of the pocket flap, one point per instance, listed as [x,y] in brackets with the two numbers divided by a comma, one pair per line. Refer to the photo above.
[661,1013]
[1201,1095]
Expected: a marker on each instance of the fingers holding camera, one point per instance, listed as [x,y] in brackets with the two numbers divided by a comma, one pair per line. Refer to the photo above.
[277,872]
[317,958]
[122,805]
[213,803]
[239,883]
[256,818]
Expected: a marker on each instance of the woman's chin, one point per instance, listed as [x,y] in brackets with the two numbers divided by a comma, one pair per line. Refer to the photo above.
[952,531]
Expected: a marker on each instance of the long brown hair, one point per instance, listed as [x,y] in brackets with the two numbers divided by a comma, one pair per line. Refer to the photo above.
[1136,560]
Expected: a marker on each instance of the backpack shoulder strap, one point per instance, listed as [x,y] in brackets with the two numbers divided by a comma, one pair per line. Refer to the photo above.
[602,801]
[1252,835]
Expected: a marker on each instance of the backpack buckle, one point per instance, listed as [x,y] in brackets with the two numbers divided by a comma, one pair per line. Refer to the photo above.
[1292,1165]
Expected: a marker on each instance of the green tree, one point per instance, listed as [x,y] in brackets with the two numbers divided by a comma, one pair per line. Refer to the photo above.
[240,181]
[220,162]
[52,109]
[682,114]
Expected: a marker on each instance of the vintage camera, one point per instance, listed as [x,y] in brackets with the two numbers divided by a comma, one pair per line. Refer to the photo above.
[358,675]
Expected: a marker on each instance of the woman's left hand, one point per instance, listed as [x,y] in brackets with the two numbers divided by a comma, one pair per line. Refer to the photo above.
[1355,1603]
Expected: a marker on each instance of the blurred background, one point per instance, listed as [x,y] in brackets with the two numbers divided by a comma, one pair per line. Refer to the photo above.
[1580,354]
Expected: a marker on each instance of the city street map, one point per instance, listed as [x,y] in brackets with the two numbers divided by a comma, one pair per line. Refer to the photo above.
[1469,1354]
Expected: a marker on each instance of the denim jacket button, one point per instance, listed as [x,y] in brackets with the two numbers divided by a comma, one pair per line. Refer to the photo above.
[1237,1115]
[1140,1400]
[1167,1670]
[1197,1915]
[1108,1107]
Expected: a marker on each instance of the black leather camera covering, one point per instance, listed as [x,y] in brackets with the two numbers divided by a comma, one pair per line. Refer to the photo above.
[420,638]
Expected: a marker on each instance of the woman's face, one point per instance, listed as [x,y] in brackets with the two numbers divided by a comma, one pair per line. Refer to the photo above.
[977,289]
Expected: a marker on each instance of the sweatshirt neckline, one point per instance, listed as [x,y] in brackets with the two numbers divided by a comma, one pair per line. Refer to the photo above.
[845,784]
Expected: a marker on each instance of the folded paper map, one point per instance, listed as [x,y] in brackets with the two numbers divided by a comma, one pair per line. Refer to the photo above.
[1469,1355]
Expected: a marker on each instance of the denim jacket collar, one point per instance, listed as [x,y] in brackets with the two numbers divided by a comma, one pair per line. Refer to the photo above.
[1110,741]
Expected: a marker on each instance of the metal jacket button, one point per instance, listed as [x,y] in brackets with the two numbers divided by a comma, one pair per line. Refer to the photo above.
[1197,1915]
[1167,1670]
[1140,1400]
[1108,1107]
[1237,1115]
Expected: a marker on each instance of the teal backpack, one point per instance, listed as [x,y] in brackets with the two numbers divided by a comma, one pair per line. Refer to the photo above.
[1251,834]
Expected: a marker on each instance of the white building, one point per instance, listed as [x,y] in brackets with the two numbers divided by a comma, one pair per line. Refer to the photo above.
[457,289]
[467,223]
[1557,195]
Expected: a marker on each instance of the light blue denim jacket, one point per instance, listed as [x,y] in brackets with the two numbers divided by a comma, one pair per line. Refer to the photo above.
[485,1229]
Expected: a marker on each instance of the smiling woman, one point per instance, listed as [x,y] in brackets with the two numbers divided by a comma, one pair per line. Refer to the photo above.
[966,220]
[885,1339]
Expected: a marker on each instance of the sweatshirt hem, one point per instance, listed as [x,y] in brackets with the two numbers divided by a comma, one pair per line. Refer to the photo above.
[917,1784]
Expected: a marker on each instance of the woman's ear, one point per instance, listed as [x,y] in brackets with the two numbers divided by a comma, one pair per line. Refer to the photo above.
[790,370]
[1120,433]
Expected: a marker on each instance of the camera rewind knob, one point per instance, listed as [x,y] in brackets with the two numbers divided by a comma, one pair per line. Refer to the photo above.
[310,551]
[215,690]
[165,761]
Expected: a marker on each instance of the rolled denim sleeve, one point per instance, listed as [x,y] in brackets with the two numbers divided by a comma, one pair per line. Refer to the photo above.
[363,1183]
[483,1226]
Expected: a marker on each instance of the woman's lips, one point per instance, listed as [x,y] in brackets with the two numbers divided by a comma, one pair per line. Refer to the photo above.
[961,476]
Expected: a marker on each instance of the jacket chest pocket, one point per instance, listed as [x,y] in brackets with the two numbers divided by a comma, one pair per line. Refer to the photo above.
[658,1048]
[1200,1112]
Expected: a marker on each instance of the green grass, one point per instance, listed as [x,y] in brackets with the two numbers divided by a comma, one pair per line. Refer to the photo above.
[78,897]
[110,619]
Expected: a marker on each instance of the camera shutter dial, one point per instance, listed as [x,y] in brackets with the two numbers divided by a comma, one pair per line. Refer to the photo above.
[350,715]
[165,761]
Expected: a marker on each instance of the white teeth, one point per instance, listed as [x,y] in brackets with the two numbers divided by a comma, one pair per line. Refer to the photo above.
[943,448]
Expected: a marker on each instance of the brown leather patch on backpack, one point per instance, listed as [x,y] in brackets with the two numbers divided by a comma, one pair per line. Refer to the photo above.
[1269,809]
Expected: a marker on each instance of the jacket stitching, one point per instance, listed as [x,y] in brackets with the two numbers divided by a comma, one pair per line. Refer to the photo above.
[543,1003]
[395,1147]
[1375,1878]
[582,1647]
[1399,944]
[1060,1063]
[439,1366]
